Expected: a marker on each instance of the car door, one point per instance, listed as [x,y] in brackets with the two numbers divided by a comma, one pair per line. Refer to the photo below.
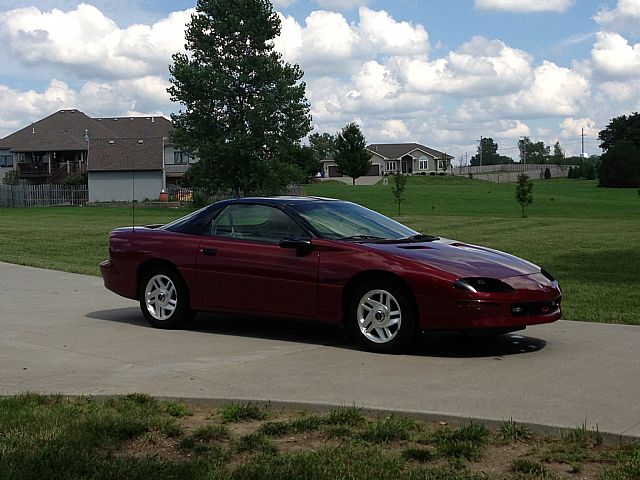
[241,266]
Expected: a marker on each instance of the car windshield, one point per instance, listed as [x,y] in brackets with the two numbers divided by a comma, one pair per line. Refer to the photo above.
[348,221]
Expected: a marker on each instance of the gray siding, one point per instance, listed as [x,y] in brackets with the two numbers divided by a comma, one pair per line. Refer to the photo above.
[118,186]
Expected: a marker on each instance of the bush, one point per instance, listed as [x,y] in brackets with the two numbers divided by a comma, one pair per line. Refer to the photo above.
[75,180]
[12,177]
[199,200]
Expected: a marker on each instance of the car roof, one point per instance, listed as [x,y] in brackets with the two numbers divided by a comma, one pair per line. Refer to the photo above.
[280,200]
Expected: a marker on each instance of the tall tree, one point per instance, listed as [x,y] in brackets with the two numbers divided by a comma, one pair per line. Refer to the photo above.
[531,152]
[488,154]
[524,191]
[620,162]
[245,110]
[558,154]
[623,129]
[351,155]
[620,166]
[323,144]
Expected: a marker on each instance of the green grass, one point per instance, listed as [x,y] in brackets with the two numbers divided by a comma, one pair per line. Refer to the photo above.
[511,432]
[242,412]
[588,237]
[135,436]
[72,239]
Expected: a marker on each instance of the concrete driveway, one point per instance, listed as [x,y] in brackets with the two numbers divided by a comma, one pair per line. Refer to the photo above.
[64,333]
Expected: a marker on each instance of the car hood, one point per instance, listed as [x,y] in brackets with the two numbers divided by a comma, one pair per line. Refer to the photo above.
[460,259]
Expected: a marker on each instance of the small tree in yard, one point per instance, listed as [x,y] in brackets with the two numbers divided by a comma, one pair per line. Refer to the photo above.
[12,177]
[524,191]
[350,155]
[399,184]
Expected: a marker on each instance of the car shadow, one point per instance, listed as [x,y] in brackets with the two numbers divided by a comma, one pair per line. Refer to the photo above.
[431,344]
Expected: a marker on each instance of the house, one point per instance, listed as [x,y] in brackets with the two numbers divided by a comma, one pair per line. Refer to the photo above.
[111,152]
[390,158]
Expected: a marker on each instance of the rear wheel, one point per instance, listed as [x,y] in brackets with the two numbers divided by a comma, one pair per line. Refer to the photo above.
[381,317]
[164,299]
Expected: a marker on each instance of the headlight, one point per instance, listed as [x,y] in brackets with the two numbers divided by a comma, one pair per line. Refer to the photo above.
[479,284]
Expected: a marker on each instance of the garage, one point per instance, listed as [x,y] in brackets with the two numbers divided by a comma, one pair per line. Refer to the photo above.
[334,171]
[374,171]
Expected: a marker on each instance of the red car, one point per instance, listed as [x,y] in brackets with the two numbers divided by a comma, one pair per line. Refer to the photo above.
[327,260]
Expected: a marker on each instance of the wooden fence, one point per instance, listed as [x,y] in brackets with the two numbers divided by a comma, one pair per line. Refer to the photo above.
[42,195]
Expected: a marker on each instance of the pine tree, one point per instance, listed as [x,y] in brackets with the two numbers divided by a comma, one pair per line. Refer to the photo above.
[245,110]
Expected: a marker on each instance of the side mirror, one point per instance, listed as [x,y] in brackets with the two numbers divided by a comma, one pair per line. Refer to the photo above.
[302,246]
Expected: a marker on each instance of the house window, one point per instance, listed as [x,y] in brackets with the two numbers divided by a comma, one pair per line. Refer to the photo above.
[181,157]
[424,164]
[441,164]
[392,166]
[6,160]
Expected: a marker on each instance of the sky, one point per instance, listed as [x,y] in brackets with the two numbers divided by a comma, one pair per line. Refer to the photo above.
[438,72]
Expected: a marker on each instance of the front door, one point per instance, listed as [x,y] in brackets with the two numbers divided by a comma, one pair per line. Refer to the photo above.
[242,268]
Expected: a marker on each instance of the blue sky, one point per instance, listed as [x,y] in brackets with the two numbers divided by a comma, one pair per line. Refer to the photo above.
[438,72]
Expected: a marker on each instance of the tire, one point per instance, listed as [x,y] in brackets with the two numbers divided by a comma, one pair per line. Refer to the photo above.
[164,299]
[381,317]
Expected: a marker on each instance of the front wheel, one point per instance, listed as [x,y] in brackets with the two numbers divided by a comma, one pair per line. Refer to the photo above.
[164,299]
[382,318]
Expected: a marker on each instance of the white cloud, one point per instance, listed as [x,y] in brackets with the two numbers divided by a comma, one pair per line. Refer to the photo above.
[395,130]
[556,91]
[571,128]
[552,92]
[624,17]
[479,68]
[89,44]
[614,57]
[328,41]
[525,6]
[374,81]
[381,32]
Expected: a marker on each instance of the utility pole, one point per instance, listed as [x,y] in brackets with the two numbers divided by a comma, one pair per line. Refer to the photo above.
[480,152]
[582,154]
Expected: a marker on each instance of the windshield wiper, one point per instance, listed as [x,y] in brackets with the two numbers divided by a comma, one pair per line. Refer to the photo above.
[362,237]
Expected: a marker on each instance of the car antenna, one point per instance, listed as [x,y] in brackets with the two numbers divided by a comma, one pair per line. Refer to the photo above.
[133,194]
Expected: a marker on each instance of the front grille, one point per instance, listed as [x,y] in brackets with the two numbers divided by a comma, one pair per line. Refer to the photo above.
[528,309]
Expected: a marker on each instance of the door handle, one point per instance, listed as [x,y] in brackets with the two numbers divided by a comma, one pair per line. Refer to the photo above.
[209,252]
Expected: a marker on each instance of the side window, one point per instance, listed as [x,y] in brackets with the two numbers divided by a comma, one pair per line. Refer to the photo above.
[256,223]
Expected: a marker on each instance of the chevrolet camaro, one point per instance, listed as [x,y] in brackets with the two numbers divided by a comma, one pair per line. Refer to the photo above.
[325,260]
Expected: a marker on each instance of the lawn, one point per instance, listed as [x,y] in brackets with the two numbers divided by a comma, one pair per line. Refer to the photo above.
[72,239]
[138,437]
[588,237]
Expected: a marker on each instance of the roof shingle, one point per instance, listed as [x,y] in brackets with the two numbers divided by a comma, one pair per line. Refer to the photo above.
[125,154]
[399,150]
